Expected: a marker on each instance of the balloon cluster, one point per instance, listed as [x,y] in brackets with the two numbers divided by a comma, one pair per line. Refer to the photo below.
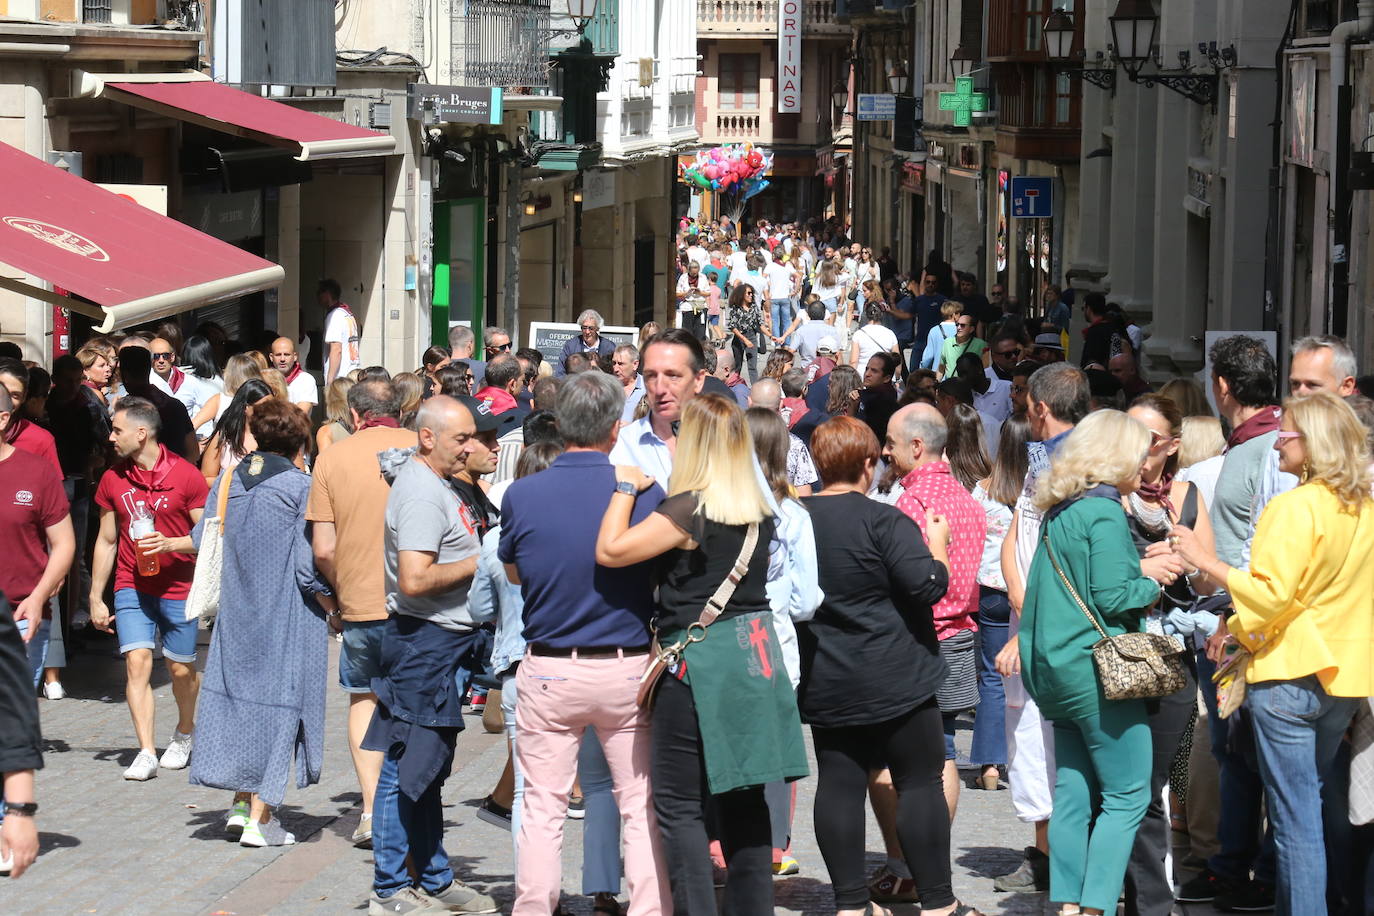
[737,170]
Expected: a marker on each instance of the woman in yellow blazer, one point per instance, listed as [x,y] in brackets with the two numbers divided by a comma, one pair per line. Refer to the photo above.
[1305,612]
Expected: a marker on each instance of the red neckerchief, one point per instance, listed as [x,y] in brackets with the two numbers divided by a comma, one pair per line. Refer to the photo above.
[1266,421]
[17,425]
[149,481]
[295,371]
[819,368]
[176,379]
[799,409]
[91,385]
[370,422]
[733,379]
[498,400]
[1160,492]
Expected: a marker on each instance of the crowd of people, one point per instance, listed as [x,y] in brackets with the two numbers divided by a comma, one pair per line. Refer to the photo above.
[875,518]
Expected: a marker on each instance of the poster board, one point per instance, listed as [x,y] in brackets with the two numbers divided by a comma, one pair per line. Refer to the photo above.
[548,337]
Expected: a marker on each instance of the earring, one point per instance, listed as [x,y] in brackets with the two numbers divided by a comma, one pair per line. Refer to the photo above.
[1306,470]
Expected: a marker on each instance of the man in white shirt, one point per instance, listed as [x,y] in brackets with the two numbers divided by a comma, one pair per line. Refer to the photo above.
[185,386]
[738,262]
[342,332]
[301,389]
[693,290]
[782,287]
[695,252]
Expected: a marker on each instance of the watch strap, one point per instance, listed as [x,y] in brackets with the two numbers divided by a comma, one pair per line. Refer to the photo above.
[23,809]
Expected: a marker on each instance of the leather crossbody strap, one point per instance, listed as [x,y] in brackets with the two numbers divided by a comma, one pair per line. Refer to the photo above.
[1069,585]
[222,503]
[717,602]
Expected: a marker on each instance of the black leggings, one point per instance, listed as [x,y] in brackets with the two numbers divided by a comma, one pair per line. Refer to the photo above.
[681,797]
[912,746]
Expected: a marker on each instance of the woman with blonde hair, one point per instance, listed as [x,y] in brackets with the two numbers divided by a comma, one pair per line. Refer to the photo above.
[338,420]
[1188,395]
[411,390]
[240,368]
[648,332]
[725,720]
[97,366]
[1200,448]
[950,310]
[1102,747]
[277,382]
[1304,627]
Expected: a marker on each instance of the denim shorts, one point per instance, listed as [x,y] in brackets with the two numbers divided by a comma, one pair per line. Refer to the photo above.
[360,658]
[140,618]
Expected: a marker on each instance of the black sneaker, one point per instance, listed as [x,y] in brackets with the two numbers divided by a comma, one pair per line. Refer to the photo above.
[492,813]
[1033,874]
[1201,889]
[1244,897]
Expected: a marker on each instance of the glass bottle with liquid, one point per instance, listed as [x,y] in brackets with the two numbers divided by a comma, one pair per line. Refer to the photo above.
[141,525]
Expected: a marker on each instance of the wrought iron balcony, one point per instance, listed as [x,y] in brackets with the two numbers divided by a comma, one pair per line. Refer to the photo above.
[501,42]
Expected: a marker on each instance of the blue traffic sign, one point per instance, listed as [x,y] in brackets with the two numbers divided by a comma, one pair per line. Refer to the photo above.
[1032,197]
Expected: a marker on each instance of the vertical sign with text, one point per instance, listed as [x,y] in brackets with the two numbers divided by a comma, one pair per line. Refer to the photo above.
[789,56]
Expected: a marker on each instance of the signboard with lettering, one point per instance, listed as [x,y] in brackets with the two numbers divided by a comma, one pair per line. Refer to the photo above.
[548,337]
[454,104]
[877,106]
[789,56]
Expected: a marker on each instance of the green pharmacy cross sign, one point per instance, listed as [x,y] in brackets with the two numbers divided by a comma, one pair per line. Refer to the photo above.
[963,101]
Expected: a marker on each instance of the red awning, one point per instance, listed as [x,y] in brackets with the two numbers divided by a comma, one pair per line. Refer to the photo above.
[135,264]
[193,97]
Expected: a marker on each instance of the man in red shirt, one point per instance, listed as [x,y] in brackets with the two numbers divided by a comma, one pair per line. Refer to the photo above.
[18,432]
[148,481]
[915,447]
[36,529]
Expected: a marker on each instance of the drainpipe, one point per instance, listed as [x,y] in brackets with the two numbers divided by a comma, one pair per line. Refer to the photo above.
[1338,143]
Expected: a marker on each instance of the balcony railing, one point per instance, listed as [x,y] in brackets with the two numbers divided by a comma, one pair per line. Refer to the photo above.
[739,125]
[501,42]
[755,18]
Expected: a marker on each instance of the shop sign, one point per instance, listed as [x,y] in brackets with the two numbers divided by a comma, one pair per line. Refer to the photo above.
[877,106]
[548,337]
[789,56]
[454,104]
[228,217]
[913,177]
[598,189]
[1199,185]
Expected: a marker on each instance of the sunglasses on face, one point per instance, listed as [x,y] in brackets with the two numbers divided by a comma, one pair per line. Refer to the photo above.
[964,324]
[1157,439]
[1007,354]
[505,346]
[163,355]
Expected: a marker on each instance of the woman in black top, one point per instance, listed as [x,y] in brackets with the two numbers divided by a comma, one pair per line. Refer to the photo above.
[725,717]
[870,670]
[1161,502]
[745,323]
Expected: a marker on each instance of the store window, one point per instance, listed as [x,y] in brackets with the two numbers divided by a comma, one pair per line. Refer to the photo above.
[739,82]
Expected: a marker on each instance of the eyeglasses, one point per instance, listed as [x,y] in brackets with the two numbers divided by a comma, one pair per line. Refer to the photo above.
[965,324]
[1286,436]
[585,327]
[1157,439]
[163,355]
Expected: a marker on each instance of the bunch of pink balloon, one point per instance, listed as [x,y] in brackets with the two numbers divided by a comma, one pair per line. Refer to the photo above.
[737,170]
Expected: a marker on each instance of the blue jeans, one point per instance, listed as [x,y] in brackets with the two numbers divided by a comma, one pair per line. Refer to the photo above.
[990,725]
[601,865]
[1298,729]
[1241,790]
[37,648]
[781,311]
[401,828]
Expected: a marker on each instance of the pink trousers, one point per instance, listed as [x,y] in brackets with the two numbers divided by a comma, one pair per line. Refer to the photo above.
[559,698]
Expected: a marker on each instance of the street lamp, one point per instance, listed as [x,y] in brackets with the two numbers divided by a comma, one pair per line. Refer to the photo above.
[896,78]
[839,95]
[581,12]
[963,61]
[1059,33]
[1133,26]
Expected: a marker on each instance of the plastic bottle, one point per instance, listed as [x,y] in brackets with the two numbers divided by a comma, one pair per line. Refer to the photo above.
[141,526]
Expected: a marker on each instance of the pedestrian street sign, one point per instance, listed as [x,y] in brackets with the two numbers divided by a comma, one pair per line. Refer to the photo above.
[1032,197]
[963,101]
[876,106]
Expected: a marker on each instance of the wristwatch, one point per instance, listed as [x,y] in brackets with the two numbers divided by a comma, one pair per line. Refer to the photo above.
[25,809]
[624,486]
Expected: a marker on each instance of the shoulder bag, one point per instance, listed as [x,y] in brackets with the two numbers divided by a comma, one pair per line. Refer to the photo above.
[1132,665]
[203,600]
[666,657]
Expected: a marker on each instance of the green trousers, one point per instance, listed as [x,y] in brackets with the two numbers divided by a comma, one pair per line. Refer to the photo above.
[1100,796]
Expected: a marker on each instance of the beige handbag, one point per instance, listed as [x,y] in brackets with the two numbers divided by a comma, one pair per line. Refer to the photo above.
[202,602]
[1131,666]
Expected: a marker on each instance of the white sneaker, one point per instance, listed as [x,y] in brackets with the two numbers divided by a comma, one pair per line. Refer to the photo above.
[258,835]
[52,690]
[143,768]
[178,753]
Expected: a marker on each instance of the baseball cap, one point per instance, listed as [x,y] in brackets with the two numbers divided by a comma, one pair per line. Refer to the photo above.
[827,344]
[481,414]
[1049,341]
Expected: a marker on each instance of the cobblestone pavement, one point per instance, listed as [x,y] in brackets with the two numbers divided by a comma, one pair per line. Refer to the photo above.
[110,846]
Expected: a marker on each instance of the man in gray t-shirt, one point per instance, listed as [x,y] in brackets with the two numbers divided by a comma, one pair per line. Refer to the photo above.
[424,515]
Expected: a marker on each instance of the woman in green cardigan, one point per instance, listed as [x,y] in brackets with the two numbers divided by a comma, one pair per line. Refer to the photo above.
[1102,747]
